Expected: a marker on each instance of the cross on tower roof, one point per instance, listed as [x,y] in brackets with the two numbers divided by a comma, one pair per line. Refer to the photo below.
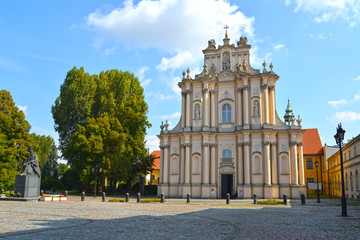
[226,28]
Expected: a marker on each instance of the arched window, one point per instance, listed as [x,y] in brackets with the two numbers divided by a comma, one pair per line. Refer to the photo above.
[226,113]
[226,156]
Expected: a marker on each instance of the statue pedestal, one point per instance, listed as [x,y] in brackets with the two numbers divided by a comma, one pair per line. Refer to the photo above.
[27,185]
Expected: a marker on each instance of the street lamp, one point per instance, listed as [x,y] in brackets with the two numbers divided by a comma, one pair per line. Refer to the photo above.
[339,137]
[94,170]
[317,181]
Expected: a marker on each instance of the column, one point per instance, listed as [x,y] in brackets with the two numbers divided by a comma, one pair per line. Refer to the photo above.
[240,165]
[213,164]
[246,163]
[187,163]
[213,110]
[205,169]
[246,106]
[267,172]
[161,164]
[182,163]
[274,175]
[301,164]
[166,164]
[207,109]
[266,105]
[239,113]
[188,109]
[272,104]
[294,164]
[183,111]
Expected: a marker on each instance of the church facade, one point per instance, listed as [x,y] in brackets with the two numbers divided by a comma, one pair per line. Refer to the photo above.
[229,138]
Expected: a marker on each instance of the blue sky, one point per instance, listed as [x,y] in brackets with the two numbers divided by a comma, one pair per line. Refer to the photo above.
[313,45]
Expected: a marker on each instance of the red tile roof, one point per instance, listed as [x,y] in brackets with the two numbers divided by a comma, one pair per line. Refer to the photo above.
[311,142]
[156,155]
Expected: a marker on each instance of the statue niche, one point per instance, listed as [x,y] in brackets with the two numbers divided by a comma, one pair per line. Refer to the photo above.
[226,61]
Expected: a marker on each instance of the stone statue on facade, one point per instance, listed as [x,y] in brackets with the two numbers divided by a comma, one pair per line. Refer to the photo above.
[31,165]
[196,112]
[226,62]
[256,109]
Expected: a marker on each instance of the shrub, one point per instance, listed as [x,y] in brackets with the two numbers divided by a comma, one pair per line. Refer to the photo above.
[117,200]
[151,200]
[270,202]
[52,184]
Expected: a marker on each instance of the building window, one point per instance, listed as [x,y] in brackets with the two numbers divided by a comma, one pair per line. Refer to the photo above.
[310,180]
[357,181]
[226,113]
[309,163]
[351,182]
[339,182]
[346,182]
[226,156]
[349,154]
[152,177]
[355,151]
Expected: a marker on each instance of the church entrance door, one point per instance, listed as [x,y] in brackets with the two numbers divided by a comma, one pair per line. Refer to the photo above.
[226,185]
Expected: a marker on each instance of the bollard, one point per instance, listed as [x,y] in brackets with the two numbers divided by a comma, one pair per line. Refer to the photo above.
[162,198]
[66,193]
[188,198]
[285,199]
[104,197]
[138,197]
[127,197]
[2,191]
[227,198]
[83,196]
[42,192]
[302,199]
[255,198]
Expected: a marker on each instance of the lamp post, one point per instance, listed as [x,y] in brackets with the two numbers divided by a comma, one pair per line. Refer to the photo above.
[317,181]
[339,137]
[94,170]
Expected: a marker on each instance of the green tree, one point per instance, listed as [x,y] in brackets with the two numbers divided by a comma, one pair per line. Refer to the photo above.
[101,121]
[14,140]
[44,147]
[50,168]
[62,169]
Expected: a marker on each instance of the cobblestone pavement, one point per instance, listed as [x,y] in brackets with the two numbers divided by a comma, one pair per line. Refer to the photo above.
[174,219]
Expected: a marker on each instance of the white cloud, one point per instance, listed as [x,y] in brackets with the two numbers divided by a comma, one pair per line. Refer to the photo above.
[177,27]
[167,117]
[322,35]
[166,97]
[357,78]
[337,103]
[141,76]
[278,47]
[152,142]
[327,10]
[23,108]
[109,51]
[347,116]
[181,59]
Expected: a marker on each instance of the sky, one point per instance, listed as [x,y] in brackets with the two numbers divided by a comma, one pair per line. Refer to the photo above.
[314,46]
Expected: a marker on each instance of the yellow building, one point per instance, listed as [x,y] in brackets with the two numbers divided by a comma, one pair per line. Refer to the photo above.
[153,177]
[351,162]
[313,152]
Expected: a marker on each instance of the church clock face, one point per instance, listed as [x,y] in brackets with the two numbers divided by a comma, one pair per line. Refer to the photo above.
[229,138]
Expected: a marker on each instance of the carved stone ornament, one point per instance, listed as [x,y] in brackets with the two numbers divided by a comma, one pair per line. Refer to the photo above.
[283,147]
[197,148]
[174,149]
[256,92]
[197,112]
[226,147]
[226,95]
[256,109]
[197,95]
[257,147]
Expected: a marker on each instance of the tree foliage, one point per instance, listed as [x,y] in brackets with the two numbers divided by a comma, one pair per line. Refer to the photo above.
[43,148]
[50,168]
[101,121]
[14,140]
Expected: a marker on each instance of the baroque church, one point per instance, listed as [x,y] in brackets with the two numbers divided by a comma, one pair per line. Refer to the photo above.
[230,138]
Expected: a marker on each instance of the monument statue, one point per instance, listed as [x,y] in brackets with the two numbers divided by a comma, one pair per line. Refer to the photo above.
[31,165]
[27,184]
[197,112]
